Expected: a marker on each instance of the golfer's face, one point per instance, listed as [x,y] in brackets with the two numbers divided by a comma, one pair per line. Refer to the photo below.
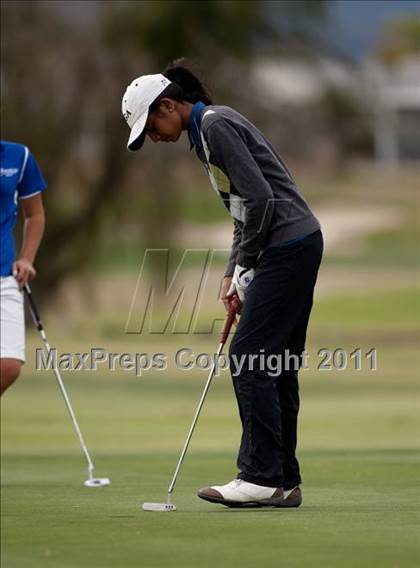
[164,125]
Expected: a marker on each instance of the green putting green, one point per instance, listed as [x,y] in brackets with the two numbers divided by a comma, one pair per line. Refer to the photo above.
[360,510]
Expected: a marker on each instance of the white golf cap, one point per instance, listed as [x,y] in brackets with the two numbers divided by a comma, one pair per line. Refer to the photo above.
[138,97]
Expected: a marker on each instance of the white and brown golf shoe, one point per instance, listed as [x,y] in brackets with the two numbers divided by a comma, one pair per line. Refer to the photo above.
[239,493]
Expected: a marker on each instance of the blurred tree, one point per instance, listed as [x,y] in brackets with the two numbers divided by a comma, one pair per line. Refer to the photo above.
[166,28]
[400,38]
[57,99]
[207,29]
[61,95]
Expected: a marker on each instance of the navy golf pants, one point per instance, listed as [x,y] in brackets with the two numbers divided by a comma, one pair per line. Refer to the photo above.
[273,322]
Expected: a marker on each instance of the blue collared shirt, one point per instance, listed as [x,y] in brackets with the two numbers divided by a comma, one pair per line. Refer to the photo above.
[20,178]
[194,126]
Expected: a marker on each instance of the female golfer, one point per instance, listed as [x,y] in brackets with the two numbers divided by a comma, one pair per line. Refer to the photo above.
[21,182]
[276,252]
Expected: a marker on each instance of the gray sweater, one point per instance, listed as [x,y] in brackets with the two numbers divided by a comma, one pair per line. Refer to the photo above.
[255,185]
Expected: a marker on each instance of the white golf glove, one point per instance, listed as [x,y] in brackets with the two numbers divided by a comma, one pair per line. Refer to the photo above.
[242,278]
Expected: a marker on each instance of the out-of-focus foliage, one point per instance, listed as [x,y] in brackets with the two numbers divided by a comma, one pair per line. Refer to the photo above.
[401,38]
[208,28]
[205,29]
[59,100]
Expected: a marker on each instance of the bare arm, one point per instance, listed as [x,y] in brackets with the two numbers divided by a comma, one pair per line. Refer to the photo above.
[33,230]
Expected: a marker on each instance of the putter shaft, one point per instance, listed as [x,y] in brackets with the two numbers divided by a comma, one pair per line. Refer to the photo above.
[37,321]
[235,308]
[194,422]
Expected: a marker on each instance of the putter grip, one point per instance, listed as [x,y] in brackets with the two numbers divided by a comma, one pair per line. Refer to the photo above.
[235,308]
[33,308]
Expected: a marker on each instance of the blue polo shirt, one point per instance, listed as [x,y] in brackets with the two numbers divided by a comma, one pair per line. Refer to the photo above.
[20,178]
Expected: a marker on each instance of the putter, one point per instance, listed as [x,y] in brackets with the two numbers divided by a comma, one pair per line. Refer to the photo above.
[91,481]
[235,308]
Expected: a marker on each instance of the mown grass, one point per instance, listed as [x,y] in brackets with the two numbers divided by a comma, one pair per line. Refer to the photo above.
[360,510]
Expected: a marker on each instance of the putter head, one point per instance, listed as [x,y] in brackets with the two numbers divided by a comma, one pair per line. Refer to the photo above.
[159,507]
[97,482]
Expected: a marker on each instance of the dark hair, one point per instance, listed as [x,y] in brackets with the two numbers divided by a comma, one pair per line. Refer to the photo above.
[185,85]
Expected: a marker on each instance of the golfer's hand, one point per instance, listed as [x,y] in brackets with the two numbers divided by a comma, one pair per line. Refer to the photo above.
[242,278]
[23,271]
[227,300]
[225,287]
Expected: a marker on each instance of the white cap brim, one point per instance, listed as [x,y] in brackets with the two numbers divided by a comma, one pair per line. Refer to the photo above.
[136,140]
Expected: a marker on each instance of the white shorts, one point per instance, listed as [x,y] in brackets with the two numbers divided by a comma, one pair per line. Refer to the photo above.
[12,336]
